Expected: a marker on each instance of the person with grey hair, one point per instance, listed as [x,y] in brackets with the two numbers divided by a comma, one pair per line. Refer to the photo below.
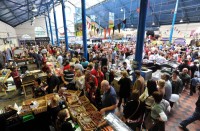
[109,100]
[185,78]
[168,86]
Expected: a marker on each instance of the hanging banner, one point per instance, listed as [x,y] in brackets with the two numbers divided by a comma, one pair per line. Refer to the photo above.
[105,31]
[78,22]
[111,20]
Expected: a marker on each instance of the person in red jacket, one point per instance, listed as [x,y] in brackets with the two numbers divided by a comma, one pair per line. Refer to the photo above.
[89,78]
[98,73]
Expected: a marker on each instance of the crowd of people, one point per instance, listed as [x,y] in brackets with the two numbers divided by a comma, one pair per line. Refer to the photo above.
[141,98]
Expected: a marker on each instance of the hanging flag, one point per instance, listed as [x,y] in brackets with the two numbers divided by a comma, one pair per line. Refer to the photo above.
[119,26]
[97,30]
[94,28]
[105,31]
[78,22]
[111,20]
[109,31]
[124,24]
[89,26]
[138,10]
[101,31]
[113,30]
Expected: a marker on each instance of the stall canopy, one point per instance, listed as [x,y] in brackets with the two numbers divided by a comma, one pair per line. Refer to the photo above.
[180,41]
[126,12]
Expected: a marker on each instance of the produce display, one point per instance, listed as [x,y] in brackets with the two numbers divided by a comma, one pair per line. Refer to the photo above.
[89,107]
[72,99]
[107,128]
[96,117]
[76,111]
[26,109]
[37,105]
[86,123]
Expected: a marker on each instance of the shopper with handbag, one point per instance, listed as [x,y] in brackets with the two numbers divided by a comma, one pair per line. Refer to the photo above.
[156,120]
[134,111]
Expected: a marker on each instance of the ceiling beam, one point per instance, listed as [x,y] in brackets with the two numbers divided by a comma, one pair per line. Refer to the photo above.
[16,16]
[185,13]
[40,6]
[10,10]
[28,7]
[28,19]
[181,8]
[155,16]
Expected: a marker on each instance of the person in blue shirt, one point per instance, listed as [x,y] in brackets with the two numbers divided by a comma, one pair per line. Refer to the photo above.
[194,82]
[109,100]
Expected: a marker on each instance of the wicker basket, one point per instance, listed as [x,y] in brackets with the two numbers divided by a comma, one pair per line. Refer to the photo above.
[84,100]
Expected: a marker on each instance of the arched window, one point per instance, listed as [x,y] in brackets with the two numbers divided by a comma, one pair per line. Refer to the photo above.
[39,32]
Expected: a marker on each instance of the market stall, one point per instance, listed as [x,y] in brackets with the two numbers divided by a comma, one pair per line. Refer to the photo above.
[4,75]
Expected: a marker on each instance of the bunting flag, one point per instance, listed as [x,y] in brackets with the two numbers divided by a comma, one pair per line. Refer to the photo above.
[105,31]
[101,31]
[109,31]
[111,20]
[94,28]
[124,24]
[119,26]
[97,30]
[89,26]
[113,30]
[138,10]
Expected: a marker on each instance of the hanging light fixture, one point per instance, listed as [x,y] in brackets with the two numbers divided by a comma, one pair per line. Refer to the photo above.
[181,21]
[34,8]
[153,23]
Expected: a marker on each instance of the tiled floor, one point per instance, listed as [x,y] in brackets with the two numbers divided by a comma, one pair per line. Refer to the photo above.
[181,112]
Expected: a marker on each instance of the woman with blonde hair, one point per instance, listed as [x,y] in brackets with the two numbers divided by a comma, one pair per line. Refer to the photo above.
[62,123]
[79,80]
[53,108]
[161,86]
[125,87]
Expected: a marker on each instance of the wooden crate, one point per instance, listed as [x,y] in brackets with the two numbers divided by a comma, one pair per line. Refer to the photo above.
[78,92]
[73,99]
[89,107]
[96,117]
[50,96]
[25,110]
[86,125]
[76,111]
[84,99]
